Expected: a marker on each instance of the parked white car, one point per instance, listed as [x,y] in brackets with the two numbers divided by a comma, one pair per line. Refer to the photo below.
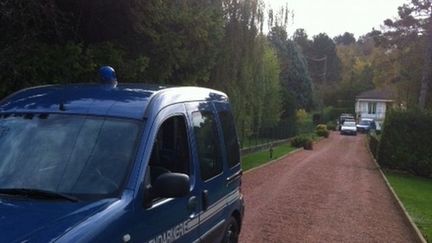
[349,127]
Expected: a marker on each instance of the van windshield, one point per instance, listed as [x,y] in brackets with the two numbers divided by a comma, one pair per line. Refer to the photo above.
[87,157]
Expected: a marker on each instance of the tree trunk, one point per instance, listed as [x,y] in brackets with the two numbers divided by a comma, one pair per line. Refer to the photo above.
[426,76]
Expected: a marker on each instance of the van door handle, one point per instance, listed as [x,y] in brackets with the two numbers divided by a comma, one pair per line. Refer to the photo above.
[192,206]
[236,176]
[205,200]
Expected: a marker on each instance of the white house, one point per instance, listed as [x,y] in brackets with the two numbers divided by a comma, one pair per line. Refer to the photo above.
[374,104]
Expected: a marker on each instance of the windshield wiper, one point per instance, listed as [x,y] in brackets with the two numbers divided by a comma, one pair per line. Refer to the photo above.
[37,193]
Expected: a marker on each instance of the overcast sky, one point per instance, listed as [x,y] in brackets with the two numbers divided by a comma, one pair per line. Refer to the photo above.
[335,17]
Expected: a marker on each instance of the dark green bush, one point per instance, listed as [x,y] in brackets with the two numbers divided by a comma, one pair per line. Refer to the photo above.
[305,126]
[302,141]
[331,125]
[406,142]
[322,131]
[373,140]
[321,127]
[331,114]
[316,118]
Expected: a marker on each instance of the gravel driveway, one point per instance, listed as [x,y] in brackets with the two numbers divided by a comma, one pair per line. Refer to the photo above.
[331,194]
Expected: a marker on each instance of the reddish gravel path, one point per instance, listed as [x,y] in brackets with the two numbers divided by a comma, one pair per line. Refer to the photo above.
[331,194]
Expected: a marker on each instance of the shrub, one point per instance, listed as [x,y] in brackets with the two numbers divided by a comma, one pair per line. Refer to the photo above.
[316,118]
[304,122]
[322,131]
[331,126]
[302,141]
[331,114]
[321,127]
[373,140]
[406,142]
[301,115]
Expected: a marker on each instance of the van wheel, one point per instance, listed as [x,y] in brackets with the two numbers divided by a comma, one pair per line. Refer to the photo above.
[232,231]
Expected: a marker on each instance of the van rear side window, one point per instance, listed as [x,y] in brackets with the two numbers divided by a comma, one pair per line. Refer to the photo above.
[230,138]
[208,144]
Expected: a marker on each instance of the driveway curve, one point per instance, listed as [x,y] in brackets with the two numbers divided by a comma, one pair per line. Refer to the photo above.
[333,193]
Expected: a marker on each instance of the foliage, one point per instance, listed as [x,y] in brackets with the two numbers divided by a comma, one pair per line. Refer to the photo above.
[345,39]
[331,125]
[217,44]
[416,195]
[302,141]
[304,122]
[373,141]
[300,37]
[321,127]
[330,113]
[356,67]
[301,115]
[414,25]
[322,131]
[406,142]
[294,76]
[316,118]
[165,42]
[324,62]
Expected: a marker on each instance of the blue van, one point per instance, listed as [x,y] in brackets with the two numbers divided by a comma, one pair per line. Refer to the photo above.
[119,163]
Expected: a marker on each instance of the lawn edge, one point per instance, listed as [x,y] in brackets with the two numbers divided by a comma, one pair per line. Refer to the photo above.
[273,160]
[407,217]
[282,157]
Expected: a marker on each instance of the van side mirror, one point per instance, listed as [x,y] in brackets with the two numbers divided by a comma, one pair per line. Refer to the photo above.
[171,185]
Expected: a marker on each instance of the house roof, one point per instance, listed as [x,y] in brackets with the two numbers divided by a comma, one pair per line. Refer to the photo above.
[377,94]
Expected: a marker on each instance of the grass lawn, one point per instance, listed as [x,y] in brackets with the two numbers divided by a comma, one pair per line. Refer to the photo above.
[416,195]
[250,142]
[256,159]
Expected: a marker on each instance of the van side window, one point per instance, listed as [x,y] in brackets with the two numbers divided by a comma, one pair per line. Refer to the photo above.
[207,144]
[170,151]
[230,138]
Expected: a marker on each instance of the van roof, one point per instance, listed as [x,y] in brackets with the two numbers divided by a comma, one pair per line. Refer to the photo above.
[125,100]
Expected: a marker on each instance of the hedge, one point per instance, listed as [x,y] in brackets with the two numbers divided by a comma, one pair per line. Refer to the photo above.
[406,142]
[302,141]
[322,131]
[373,140]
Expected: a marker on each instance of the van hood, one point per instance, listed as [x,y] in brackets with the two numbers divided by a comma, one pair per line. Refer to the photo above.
[24,219]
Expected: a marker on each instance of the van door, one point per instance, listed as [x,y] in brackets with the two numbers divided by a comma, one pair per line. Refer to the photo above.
[170,219]
[231,153]
[211,178]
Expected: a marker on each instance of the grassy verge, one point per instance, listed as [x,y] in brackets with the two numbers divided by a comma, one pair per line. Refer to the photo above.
[416,195]
[256,159]
[250,142]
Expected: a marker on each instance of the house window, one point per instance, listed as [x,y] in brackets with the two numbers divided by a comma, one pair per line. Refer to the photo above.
[372,108]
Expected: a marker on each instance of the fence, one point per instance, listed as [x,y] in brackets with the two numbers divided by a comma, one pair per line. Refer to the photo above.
[281,133]
[267,134]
